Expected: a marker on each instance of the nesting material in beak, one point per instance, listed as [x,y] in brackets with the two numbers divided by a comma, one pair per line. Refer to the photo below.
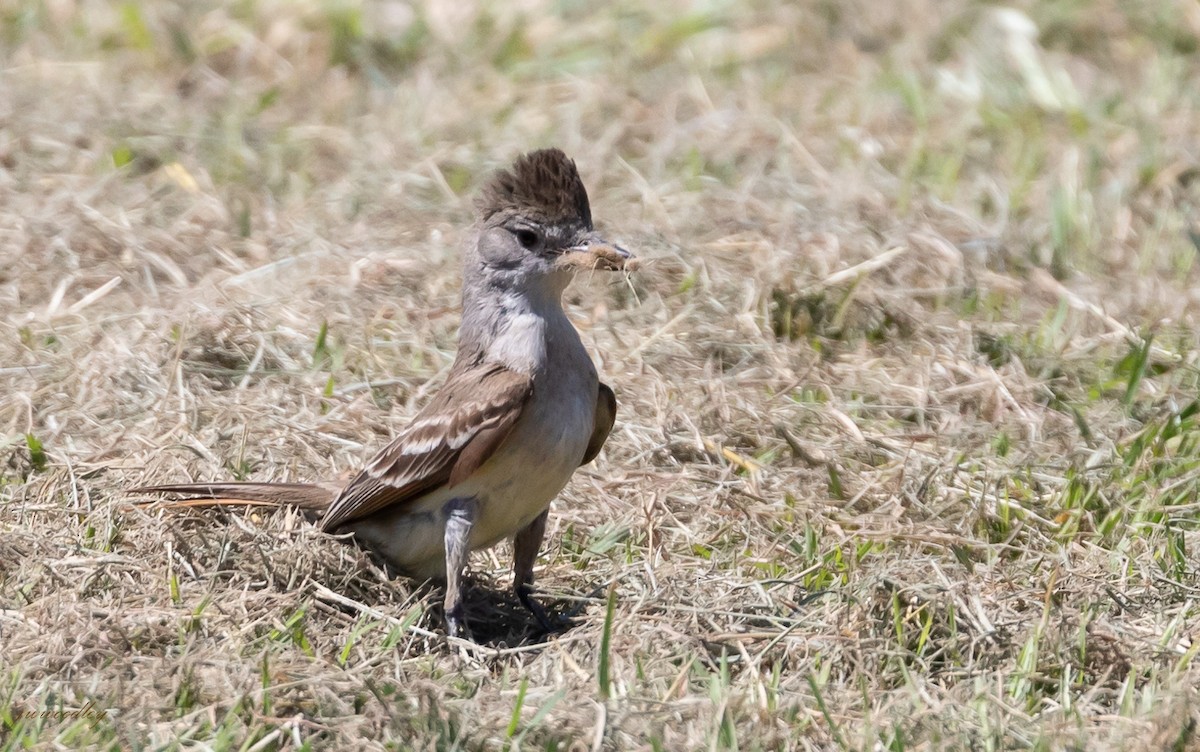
[598,255]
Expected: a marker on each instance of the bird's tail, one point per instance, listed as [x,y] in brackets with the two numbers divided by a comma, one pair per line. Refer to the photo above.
[312,498]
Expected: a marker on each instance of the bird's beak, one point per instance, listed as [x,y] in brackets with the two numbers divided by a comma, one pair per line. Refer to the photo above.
[596,253]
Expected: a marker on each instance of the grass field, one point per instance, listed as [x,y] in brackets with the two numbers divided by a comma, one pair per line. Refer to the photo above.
[908,446]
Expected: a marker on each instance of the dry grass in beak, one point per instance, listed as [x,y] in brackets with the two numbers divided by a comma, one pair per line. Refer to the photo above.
[599,257]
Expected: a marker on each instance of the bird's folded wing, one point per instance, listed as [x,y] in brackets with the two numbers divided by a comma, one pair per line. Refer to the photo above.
[606,416]
[445,443]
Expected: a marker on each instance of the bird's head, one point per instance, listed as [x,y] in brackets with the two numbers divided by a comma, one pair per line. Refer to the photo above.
[535,222]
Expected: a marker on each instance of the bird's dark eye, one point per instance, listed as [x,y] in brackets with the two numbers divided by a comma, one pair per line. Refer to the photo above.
[527,238]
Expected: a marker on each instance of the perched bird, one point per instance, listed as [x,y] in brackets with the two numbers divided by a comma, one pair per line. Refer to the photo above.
[521,409]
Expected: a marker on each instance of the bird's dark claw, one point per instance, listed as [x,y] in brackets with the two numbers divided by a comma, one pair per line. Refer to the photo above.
[546,623]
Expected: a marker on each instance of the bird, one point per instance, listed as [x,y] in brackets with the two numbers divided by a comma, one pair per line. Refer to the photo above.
[521,409]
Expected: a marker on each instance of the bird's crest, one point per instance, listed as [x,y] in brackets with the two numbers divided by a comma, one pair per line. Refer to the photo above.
[542,184]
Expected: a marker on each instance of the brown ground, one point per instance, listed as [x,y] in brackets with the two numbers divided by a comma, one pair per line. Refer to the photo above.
[908,446]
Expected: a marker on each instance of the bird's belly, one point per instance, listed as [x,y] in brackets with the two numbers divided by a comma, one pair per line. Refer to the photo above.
[411,541]
[534,464]
[512,488]
[520,489]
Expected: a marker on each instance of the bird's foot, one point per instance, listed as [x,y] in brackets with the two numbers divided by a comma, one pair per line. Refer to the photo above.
[456,623]
[546,623]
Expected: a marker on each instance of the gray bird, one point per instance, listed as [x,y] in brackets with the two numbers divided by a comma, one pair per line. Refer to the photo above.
[521,409]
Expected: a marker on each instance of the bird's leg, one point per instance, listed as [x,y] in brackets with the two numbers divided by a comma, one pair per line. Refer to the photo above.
[525,550]
[460,516]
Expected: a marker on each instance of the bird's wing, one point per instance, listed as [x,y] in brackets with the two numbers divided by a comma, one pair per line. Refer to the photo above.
[445,443]
[606,416]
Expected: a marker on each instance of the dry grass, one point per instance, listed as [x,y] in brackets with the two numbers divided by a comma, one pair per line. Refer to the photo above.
[909,444]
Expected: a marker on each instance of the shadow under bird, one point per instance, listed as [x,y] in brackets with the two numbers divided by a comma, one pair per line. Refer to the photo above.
[521,409]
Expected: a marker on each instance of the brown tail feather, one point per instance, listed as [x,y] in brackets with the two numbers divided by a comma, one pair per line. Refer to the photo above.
[311,497]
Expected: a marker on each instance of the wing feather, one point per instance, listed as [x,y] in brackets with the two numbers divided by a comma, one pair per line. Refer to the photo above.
[606,416]
[444,444]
